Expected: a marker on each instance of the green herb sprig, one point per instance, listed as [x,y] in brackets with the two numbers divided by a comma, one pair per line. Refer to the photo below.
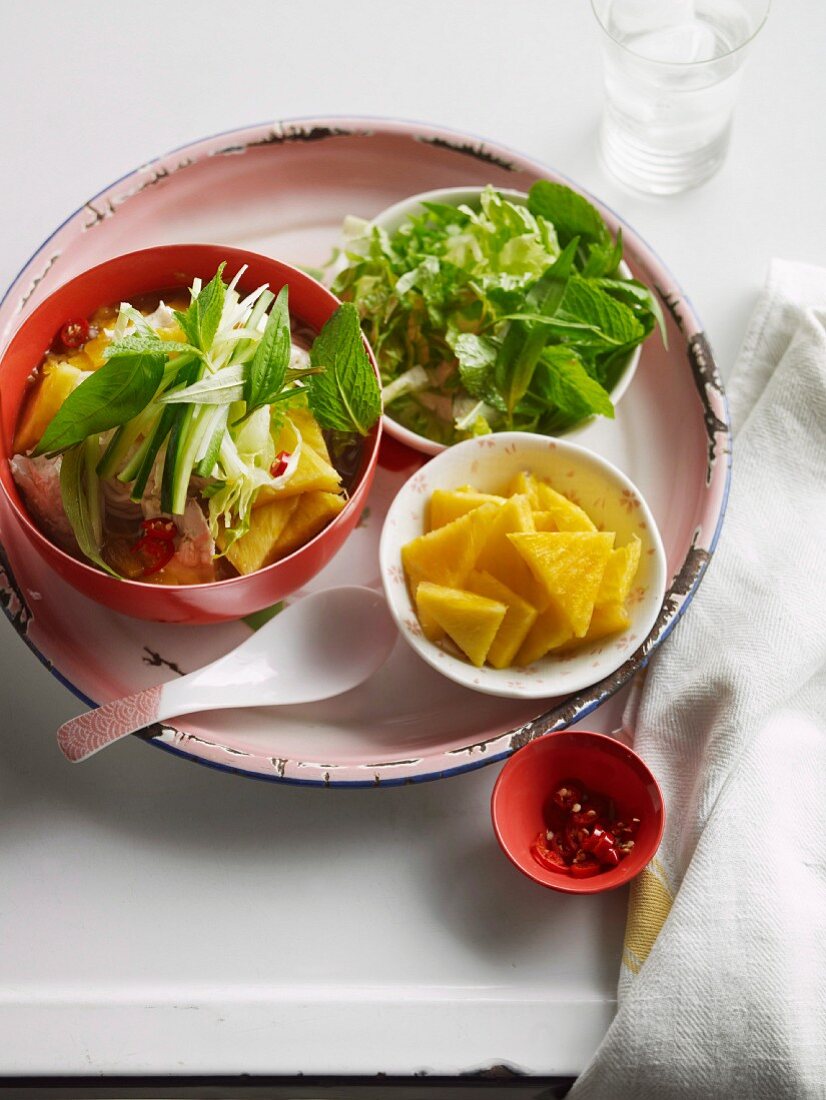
[511,316]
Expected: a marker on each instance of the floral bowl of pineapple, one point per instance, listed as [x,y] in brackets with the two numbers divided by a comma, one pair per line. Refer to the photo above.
[522,566]
[189,432]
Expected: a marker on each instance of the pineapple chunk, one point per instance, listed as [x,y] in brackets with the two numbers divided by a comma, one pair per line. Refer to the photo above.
[312,474]
[499,558]
[519,618]
[257,547]
[611,618]
[567,515]
[430,628]
[315,472]
[170,333]
[448,504]
[314,511]
[446,556]
[544,521]
[619,573]
[471,621]
[550,631]
[57,381]
[94,349]
[569,565]
[525,484]
[311,433]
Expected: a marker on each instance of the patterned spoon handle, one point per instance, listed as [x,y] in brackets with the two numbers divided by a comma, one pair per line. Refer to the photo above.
[82,737]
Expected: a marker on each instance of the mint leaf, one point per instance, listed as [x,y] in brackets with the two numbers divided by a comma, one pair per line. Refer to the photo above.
[563,381]
[119,390]
[477,360]
[147,340]
[603,259]
[345,396]
[640,298]
[268,369]
[201,320]
[571,214]
[588,303]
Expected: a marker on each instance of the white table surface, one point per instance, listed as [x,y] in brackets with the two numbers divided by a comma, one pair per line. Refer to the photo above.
[157,917]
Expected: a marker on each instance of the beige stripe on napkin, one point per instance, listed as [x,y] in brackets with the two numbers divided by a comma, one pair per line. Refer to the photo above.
[649,905]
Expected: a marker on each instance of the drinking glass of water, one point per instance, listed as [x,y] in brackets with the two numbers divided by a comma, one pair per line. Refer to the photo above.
[672,71]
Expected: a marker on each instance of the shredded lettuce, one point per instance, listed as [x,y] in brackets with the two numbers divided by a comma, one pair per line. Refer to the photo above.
[505,316]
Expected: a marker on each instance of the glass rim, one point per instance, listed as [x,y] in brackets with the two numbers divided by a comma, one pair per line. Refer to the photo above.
[683,64]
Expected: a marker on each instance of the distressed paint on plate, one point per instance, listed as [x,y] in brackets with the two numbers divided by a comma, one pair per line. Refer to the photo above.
[282,188]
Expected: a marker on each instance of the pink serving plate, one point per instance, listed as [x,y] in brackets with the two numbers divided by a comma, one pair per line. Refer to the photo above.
[282,189]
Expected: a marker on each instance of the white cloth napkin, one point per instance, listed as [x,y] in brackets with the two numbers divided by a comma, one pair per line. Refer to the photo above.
[723,984]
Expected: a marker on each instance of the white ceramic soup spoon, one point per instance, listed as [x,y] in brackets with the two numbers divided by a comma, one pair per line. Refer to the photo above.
[322,646]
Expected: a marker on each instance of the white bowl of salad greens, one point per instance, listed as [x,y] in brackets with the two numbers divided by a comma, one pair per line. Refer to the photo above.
[494,311]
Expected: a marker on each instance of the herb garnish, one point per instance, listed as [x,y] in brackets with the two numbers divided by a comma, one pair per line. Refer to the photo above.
[343,396]
[509,316]
[204,405]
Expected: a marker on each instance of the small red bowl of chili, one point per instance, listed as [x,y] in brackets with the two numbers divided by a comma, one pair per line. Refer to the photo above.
[578,812]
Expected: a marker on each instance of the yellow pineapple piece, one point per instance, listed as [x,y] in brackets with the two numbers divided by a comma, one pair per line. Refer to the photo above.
[524,484]
[518,620]
[257,547]
[619,574]
[174,333]
[430,628]
[544,521]
[94,349]
[567,515]
[446,556]
[499,557]
[313,512]
[611,618]
[57,381]
[569,565]
[311,433]
[312,474]
[448,504]
[471,621]
[550,631]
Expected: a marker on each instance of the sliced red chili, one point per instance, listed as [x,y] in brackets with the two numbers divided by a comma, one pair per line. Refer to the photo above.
[574,837]
[75,333]
[568,794]
[154,553]
[581,837]
[548,857]
[625,830]
[159,528]
[282,460]
[585,868]
[603,844]
[585,818]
